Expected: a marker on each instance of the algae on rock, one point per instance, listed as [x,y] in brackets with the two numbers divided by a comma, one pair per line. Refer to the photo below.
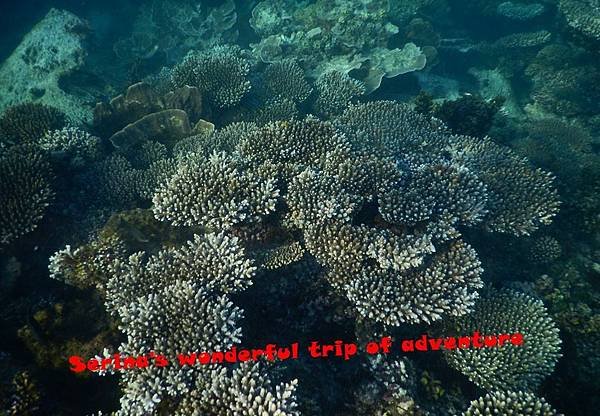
[52,50]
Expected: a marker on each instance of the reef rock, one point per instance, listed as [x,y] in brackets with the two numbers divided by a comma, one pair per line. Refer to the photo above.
[49,52]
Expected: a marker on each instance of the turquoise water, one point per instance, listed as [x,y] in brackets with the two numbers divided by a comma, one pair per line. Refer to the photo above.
[276,207]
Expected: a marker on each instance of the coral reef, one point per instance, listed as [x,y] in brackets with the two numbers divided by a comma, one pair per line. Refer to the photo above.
[335,90]
[554,144]
[516,367]
[71,145]
[175,27]
[25,186]
[180,287]
[470,114]
[28,123]
[510,403]
[25,398]
[214,193]
[545,249]
[520,11]
[285,80]
[522,198]
[324,38]
[559,74]
[582,16]
[221,74]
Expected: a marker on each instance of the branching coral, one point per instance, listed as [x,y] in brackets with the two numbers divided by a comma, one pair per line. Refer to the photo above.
[554,145]
[25,186]
[520,11]
[436,192]
[220,73]
[285,80]
[470,114]
[282,256]
[274,110]
[29,122]
[446,286]
[518,205]
[404,285]
[72,143]
[221,140]
[88,265]
[298,142]
[390,128]
[583,16]
[25,400]
[175,290]
[247,390]
[521,198]
[113,182]
[508,367]
[317,198]
[216,192]
[517,403]
[335,90]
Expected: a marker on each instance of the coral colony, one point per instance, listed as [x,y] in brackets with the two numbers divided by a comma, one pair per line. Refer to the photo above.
[314,221]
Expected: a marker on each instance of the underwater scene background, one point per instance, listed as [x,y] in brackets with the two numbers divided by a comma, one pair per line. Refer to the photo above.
[182,175]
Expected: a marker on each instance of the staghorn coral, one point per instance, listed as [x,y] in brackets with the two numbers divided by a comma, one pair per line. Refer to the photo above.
[518,198]
[285,80]
[274,110]
[390,392]
[335,90]
[404,285]
[512,403]
[554,144]
[559,74]
[220,73]
[112,182]
[522,40]
[214,261]
[175,309]
[216,192]
[436,192]
[317,198]
[559,92]
[28,123]
[246,390]
[515,367]
[25,186]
